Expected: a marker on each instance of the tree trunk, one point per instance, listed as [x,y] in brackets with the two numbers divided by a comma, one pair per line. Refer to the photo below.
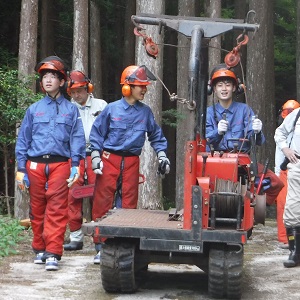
[186,127]
[170,80]
[81,33]
[5,168]
[27,62]
[150,192]
[95,49]
[260,75]
[129,38]
[47,29]
[213,10]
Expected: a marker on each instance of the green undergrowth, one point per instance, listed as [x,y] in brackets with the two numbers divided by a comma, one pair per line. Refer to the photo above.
[10,235]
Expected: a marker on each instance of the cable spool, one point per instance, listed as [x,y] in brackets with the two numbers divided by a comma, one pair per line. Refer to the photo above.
[227,205]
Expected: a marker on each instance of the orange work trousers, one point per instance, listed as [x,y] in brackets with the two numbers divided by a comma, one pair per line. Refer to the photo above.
[281,198]
[75,205]
[48,205]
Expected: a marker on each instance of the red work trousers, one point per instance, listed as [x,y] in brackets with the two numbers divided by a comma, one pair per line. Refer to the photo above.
[75,205]
[48,205]
[106,184]
[281,198]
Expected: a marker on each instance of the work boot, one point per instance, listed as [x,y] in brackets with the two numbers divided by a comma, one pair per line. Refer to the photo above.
[73,246]
[293,235]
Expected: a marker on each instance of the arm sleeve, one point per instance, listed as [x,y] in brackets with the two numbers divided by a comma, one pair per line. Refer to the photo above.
[155,135]
[100,130]
[23,141]
[211,133]
[77,139]
[282,132]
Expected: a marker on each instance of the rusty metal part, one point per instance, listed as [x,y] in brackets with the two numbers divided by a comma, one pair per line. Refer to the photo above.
[150,47]
[234,57]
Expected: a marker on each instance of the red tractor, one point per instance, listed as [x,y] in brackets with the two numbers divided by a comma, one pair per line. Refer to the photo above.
[220,200]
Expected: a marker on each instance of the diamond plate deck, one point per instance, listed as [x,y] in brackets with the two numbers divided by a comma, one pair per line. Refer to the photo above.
[140,218]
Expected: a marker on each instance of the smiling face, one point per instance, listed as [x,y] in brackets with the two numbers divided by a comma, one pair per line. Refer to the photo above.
[224,89]
[51,83]
[137,93]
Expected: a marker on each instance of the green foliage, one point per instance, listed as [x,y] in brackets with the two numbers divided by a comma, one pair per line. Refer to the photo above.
[7,60]
[10,234]
[15,97]
[285,24]
[168,203]
[171,117]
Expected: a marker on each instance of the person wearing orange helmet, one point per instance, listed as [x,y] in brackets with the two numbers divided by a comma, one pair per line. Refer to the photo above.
[286,109]
[117,138]
[80,88]
[51,133]
[287,138]
[227,120]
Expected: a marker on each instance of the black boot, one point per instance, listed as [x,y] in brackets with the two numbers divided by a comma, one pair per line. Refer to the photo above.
[73,246]
[293,235]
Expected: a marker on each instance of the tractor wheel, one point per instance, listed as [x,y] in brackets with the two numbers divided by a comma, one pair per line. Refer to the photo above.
[225,271]
[117,266]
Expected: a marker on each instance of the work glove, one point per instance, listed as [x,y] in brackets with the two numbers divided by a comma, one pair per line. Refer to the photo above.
[74,175]
[97,164]
[257,125]
[22,181]
[222,127]
[163,164]
[266,183]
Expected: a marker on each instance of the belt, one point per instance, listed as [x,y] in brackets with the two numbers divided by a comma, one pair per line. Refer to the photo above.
[88,153]
[46,159]
[120,153]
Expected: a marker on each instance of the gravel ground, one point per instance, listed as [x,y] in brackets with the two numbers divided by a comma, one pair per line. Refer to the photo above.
[78,278]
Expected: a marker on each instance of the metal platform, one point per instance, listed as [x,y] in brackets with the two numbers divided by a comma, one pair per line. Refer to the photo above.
[140,218]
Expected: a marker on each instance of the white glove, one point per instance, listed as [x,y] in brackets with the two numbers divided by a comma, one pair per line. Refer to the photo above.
[257,125]
[222,127]
[164,163]
[97,164]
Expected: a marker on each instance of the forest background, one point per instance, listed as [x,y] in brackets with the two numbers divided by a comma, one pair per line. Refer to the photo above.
[101,43]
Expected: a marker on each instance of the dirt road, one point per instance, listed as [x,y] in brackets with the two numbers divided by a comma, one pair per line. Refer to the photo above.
[78,278]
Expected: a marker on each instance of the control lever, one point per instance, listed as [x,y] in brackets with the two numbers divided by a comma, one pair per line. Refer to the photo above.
[223,118]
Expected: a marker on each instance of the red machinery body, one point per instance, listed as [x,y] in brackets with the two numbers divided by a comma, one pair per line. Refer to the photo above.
[210,169]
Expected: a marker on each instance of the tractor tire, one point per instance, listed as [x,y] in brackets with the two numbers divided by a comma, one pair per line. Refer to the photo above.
[225,271]
[117,267]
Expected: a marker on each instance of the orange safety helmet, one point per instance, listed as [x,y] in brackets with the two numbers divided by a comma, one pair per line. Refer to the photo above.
[135,75]
[52,63]
[222,71]
[78,79]
[288,107]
